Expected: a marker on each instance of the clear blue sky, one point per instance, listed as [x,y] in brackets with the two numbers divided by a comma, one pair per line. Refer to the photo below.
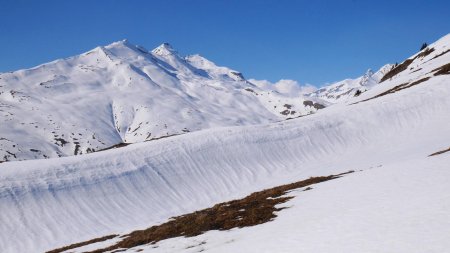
[309,41]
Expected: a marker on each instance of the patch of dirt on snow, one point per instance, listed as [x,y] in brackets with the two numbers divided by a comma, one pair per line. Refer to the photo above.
[404,65]
[255,209]
[77,245]
[315,105]
[124,144]
[397,88]
[441,54]
[119,145]
[440,152]
[396,70]
[425,52]
[442,70]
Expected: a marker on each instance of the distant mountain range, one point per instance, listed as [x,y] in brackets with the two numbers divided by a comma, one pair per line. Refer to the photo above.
[122,93]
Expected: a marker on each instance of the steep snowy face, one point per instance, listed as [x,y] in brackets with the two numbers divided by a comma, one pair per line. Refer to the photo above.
[122,93]
[429,60]
[432,64]
[165,49]
[212,69]
[342,91]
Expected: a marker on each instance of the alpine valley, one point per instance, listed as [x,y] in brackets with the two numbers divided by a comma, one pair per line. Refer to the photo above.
[121,149]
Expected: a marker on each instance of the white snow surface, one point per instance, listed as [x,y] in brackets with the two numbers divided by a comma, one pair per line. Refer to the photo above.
[401,207]
[399,202]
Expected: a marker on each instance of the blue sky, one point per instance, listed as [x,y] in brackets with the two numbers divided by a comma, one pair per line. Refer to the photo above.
[309,41]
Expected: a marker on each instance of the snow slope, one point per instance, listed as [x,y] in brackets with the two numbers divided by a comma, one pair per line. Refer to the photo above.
[342,91]
[122,93]
[50,203]
[401,207]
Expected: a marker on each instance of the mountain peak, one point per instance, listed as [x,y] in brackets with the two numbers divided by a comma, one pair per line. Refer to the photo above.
[369,72]
[164,49]
[119,43]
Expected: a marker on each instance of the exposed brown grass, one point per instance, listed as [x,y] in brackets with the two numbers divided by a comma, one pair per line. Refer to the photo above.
[425,52]
[285,112]
[441,54]
[397,88]
[397,69]
[315,105]
[318,106]
[77,245]
[257,208]
[419,69]
[416,82]
[123,144]
[119,145]
[440,152]
[442,70]
[404,65]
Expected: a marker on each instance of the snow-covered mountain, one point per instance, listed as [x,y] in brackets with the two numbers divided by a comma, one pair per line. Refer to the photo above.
[397,199]
[122,93]
[342,91]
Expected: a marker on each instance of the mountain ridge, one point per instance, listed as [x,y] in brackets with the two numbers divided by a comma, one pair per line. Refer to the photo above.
[122,93]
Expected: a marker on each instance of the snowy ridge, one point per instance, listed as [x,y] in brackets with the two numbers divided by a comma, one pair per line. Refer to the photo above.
[342,91]
[66,200]
[430,64]
[122,93]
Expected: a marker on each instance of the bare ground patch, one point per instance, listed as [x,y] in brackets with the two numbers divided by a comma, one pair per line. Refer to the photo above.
[396,70]
[255,209]
[78,245]
[425,52]
[123,144]
[441,54]
[404,65]
[397,88]
[440,152]
[442,70]
[119,145]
